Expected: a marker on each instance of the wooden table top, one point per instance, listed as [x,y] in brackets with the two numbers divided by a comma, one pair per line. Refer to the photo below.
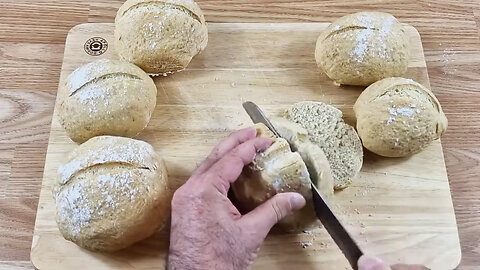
[32,36]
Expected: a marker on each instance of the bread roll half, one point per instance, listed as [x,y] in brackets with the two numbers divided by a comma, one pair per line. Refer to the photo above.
[338,140]
[315,159]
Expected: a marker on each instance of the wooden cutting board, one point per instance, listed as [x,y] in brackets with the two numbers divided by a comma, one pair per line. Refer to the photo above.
[399,209]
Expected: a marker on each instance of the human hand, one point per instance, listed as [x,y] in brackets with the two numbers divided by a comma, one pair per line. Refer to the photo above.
[373,263]
[207,230]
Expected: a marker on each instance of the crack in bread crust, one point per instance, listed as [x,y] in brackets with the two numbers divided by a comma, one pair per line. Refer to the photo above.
[109,163]
[415,88]
[164,4]
[103,78]
[348,28]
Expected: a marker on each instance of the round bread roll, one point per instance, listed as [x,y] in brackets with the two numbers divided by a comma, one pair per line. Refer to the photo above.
[277,170]
[362,48]
[111,193]
[338,140]
[160,36]
[397,117]
[106,97]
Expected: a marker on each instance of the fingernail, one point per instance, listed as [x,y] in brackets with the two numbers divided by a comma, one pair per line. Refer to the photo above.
[366,262]
[297,201]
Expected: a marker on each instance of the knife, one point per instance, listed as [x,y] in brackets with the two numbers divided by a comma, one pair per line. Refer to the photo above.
[323,212]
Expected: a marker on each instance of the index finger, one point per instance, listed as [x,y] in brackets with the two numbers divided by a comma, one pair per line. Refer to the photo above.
[226,170]
[233,140]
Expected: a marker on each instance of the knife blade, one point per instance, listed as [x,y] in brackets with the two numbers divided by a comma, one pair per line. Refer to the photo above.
[336,230]
[323,212]
[257,116]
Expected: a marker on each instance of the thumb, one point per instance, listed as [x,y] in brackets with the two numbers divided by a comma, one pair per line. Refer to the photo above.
[372,263]
[272,211]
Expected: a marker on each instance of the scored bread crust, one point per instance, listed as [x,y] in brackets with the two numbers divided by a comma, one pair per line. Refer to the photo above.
[338,140]
[160,36]
[106,97]
[111,192]
[398,117]
[189,6]
[364,47]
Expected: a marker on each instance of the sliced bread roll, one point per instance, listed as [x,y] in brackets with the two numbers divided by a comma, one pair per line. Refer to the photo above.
[313,156]
[273,171]
[338,140]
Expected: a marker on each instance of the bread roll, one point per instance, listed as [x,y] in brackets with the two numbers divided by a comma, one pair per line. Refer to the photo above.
[361,48]
[111,192]
[338,140]
[273,171]
[106,97]
[160,36]
[398,117]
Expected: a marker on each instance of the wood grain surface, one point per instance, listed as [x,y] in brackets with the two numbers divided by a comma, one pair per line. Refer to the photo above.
[32,36]
[389,209]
